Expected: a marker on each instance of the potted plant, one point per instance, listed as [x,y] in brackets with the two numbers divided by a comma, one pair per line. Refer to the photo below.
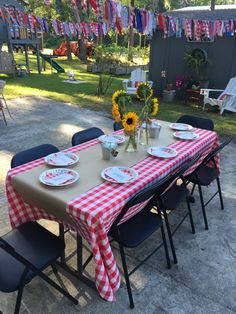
[169,93]
[196,60]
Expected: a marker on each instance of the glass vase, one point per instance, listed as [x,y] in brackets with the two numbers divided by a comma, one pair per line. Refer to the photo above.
[144,134]
[131,141]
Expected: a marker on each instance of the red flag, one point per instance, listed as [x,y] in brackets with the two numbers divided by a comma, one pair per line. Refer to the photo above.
[93,4]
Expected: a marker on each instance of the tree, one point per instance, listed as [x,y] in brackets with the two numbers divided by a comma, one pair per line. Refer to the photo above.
[77,11]
[131,34]
[62,9]
[213,2]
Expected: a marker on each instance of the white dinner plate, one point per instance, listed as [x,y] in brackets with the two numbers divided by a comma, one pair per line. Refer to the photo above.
[59,177]
[61,159]
[180,127]
[119,174]
[112,138]
[162,152]
[186,135]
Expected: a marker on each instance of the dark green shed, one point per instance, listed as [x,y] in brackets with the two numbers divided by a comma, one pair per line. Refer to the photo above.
[167,55]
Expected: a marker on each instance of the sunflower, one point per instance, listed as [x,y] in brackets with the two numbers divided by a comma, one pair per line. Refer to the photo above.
[117,95]
[116,113]
[130,121]
[154,107]
[144,91]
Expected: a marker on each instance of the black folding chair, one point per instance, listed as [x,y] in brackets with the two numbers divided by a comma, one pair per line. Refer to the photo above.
[24,253]
[33,154]
[36,153]
[197,122]
[172,198]
[117,126]
[134,231]
[204,175]
[86,135]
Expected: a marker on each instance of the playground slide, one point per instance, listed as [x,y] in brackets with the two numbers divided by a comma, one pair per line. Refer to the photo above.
[53,63]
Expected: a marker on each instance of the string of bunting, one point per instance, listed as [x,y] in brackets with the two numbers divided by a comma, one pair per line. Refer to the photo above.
[113,15]
[195,28]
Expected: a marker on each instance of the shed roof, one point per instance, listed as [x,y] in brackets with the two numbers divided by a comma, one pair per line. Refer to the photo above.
[222,12]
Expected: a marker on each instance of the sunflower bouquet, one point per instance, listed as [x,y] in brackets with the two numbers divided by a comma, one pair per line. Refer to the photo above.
[129,119]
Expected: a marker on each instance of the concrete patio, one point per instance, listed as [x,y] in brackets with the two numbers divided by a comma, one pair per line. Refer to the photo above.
[203,281]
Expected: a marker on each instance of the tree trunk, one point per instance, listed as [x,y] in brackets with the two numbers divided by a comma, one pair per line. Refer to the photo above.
[77,10]
[68,52]
[100,36]
[131,34]
[161,6]
[213,3]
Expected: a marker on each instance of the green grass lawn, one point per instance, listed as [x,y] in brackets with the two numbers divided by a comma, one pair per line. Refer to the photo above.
[50,85]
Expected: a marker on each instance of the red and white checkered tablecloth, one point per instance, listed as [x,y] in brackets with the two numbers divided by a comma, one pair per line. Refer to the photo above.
[94,211]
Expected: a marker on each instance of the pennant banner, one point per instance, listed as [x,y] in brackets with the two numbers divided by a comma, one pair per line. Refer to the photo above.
[113,15]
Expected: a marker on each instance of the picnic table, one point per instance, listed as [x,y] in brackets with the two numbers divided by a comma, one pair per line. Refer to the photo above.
[90,205]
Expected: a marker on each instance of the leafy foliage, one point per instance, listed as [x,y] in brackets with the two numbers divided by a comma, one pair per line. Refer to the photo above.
[195,59]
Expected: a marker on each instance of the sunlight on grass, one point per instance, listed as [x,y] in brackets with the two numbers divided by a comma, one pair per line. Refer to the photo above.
[49,85]
[93,98]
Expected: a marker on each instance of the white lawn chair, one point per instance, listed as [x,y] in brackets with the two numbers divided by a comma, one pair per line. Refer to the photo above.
[137,76]
[226,100]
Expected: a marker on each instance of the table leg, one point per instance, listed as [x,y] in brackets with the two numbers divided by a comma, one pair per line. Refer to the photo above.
[90,283]
[79,272]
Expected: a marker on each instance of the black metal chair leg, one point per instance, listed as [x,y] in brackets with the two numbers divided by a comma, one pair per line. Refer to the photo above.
[20,291]
[18,300]
[170,237]
[88,261]
[220,193]
[190,217]
[56,286]
[62,236]
[54,269]
[79,242]
[203,207]
[193,188]
[165,247]
[122,254]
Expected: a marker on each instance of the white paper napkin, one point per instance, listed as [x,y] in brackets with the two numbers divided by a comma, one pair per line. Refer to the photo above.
[61,159]
[159,152]
[188,135]
[118,175]
[59,179]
